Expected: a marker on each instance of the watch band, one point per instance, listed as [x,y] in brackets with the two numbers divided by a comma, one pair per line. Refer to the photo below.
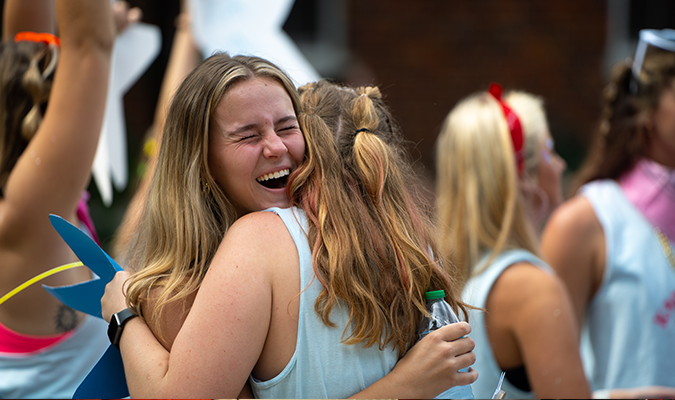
[117,322]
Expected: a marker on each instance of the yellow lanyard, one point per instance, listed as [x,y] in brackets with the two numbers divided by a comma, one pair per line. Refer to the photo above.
[38,278]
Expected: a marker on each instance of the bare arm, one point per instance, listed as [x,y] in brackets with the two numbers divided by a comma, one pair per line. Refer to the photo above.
[533,310]
[573,244]
[219,333]
[27,15]
[55,168]
[430,367]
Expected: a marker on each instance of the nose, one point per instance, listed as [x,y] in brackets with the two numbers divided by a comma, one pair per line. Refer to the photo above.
[562,165]
[273,146]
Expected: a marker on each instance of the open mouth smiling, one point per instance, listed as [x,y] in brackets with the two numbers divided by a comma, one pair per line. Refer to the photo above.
[275,180]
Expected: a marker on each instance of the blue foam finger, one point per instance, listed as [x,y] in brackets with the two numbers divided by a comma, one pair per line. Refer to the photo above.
[84,297]
[113,262]
[85,248]
[106,380]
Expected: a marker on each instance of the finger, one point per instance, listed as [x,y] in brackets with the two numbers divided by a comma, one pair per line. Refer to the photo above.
[467,378]
[464,345]
[452,332]
[119,12]
[465,360]
[134,15]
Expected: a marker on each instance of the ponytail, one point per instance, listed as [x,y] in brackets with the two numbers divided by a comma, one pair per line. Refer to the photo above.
[371,234]
[26,74]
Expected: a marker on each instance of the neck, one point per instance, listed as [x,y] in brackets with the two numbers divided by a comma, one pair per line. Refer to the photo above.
[660,152]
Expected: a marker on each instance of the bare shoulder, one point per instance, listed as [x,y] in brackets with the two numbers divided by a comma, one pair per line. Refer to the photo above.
[259,239]
[524,294]
[573,244]
[574,219]
[573,236]
[522,282]
[267,228]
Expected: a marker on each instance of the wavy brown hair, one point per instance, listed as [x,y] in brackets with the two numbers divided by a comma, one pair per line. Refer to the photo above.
[26,75]
[623,132]
[372,237]
[187,214]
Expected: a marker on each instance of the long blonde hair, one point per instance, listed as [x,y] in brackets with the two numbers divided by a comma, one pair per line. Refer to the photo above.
[479,197]
[187,214]
[371,233]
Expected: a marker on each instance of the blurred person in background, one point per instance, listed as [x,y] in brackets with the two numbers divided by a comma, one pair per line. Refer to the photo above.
[498,177]
[52,106]
[612,243]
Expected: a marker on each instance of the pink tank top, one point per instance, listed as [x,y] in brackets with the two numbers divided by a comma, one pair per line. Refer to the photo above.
[18,343]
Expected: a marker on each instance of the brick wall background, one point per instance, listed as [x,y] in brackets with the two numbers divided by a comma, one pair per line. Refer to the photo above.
[426,55]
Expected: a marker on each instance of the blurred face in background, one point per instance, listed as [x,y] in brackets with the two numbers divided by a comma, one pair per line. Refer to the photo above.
[661,146]
[549,173]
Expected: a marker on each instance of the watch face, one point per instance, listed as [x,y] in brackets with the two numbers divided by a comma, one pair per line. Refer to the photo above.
[117,324]
[112,328]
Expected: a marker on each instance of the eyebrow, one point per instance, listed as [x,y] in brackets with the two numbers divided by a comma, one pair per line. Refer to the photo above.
[252,126]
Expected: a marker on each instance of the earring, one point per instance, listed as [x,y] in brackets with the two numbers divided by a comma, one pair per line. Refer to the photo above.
[206,189]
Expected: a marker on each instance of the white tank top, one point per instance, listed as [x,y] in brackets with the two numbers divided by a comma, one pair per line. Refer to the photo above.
[55,371]
[629,330]
[475,293]
[321,366]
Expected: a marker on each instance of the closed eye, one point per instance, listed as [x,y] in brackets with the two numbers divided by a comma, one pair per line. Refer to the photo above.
[247,137]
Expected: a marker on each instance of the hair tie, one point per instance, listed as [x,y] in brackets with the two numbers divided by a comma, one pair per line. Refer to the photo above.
[515,128]
[362,130]
[46,38]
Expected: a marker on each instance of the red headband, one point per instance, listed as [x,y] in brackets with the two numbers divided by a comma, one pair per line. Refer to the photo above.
[46,38]
[513,122]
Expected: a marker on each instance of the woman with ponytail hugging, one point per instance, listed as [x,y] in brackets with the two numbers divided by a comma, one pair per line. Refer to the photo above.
[498,176]
[52,105]
[317,300]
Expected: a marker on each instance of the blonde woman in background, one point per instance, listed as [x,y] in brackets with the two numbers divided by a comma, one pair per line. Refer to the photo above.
[498,177]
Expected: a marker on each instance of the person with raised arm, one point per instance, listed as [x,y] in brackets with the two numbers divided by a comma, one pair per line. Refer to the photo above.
[52,105]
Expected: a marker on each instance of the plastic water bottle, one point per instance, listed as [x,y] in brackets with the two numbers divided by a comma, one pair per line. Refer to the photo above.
[442,314]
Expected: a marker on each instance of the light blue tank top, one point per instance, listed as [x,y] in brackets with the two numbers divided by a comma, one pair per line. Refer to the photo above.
[56,371]
[476,293]
[629,330]
[321,366]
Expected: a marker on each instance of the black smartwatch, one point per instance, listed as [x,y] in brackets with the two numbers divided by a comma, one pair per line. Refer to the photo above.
[117,324]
